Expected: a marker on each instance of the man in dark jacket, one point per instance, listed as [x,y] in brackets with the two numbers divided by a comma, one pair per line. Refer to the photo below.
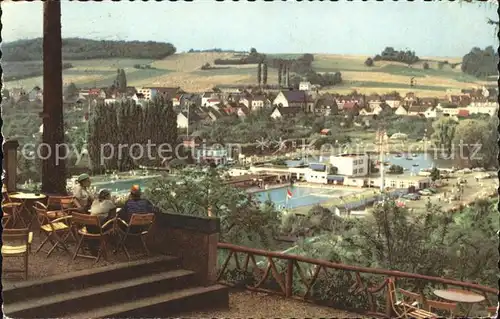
[135,205]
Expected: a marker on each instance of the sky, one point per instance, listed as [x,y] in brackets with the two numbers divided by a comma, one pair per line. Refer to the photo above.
[364,28]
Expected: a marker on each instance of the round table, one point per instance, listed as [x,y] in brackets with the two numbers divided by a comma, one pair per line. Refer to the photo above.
[460,296]
[26,197]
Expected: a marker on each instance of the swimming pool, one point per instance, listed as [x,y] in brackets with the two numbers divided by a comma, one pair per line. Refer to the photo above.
[301,196]
[123,186]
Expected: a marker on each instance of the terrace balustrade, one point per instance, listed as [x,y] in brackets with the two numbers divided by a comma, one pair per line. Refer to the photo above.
[273,272]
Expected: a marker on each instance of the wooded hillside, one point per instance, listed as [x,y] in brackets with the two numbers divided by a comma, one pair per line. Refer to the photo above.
[85,49]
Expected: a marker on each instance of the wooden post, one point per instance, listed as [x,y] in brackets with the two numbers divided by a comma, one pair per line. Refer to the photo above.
[388,303]
[10,164]
[289,279]
[53,155]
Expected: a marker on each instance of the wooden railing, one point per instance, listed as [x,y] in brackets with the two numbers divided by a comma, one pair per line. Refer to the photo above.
[275,273]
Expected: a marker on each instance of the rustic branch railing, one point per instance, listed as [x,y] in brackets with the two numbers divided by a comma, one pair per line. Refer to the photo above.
[279,270]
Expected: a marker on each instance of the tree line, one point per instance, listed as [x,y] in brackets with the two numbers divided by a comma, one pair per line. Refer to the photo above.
[18,71]
[390,54]
[125,124]
[86,49]
[480,63]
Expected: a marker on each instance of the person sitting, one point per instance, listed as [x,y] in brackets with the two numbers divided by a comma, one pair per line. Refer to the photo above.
[83,198]
[135,205]
[102,207]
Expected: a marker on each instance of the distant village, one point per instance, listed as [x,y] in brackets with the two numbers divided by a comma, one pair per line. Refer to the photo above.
[225,101]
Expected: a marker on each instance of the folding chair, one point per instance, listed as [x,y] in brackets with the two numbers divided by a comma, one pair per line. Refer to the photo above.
[403,309]
[450,307]
[55,230]
[5,224]
[81,222]
[492,311]
[14,209]
[144,221]
[5,220]
[16,243]
[64,204]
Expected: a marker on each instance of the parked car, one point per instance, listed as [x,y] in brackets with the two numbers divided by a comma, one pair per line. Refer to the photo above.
[412,196]
[425,192]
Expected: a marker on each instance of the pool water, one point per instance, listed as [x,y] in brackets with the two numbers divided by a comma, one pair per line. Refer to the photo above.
[122,186]
[301,196]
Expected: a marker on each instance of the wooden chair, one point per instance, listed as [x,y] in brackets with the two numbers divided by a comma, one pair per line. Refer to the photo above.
[16,244]
[14,209]
[144,221]
[83,221]
[56,231]
[403,309]
[65,204]
[492,311]
[434,305]
[5,220]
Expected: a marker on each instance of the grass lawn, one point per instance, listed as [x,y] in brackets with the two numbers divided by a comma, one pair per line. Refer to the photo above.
[419,72]
[389,85]
[285,55]
[184,70]
[108,64]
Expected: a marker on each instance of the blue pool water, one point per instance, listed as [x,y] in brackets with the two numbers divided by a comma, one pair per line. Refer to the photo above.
[301,196]
[122,186]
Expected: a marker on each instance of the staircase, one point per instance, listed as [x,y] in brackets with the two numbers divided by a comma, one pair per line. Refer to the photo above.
[154,287]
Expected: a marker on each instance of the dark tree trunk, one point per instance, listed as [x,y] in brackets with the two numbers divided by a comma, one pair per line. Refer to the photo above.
[54,167]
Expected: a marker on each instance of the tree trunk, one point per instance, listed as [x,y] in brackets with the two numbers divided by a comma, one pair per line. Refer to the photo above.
[54,166]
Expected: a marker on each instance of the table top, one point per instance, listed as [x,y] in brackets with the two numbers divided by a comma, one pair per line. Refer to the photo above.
[459,295]
[117,210]
[27,196]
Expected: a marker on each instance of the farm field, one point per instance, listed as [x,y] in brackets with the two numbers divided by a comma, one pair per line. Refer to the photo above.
[184,70]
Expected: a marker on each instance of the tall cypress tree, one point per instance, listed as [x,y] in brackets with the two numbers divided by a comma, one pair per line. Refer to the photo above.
[259,73]
[285,66]
[264,77]
[122,81]
[280,69]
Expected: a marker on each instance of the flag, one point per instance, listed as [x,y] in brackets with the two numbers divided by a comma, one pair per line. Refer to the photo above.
[288,194]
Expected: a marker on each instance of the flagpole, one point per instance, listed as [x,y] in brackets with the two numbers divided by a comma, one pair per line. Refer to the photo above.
[286,200]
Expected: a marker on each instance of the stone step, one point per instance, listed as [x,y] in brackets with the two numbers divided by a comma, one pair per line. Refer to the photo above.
[116,293]
[164,305]
[31,289]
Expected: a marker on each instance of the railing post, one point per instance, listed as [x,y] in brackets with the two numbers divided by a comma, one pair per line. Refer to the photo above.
[388,303]
[289,279]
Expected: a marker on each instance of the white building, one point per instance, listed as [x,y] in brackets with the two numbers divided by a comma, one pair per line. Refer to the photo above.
[209,99]
[217,156]
[147,93]
[402,181]
[352,165]
[182,120]
[305,86]
[259,102]
[491,111]
[433,113]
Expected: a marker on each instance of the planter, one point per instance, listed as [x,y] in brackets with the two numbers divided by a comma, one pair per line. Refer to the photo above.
[193,239]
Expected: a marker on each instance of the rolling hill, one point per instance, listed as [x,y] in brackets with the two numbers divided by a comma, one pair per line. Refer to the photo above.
[184,70]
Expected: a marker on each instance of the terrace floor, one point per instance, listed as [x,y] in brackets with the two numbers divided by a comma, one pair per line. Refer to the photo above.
[247,304]
[39,265]
[241,303]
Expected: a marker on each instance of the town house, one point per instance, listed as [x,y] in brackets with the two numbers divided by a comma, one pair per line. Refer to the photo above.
[286,112]
[258,102]
[294,99]
[36,94]
[393,100]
